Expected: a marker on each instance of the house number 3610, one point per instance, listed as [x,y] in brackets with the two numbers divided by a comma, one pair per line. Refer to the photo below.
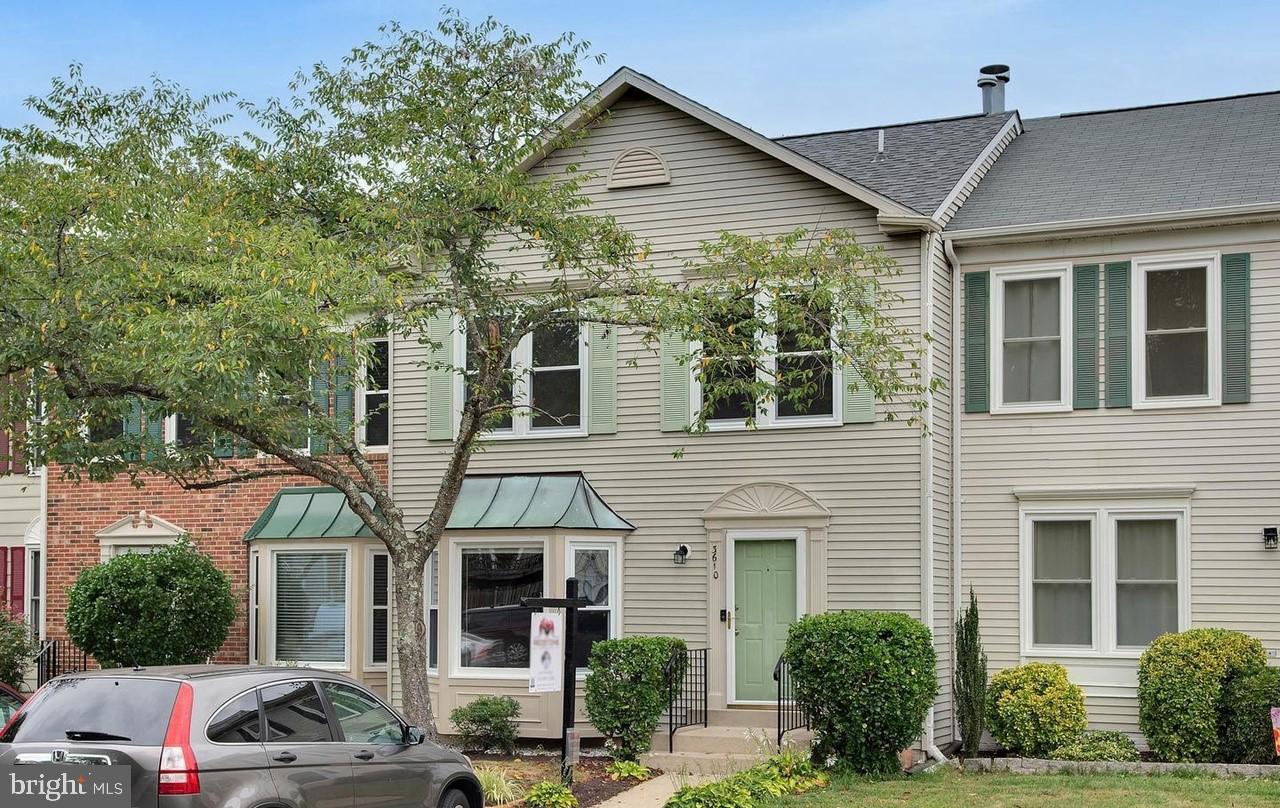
[715,558]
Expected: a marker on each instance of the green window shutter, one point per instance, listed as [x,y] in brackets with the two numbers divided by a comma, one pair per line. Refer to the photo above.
[320,405]
[1119,382]
[977,365]
[1235,328]
[223,446]
[602,379]
[1084,328]
[133,419]
[859,403]
[155,432]
[344,397]
[674,381]
[440,378]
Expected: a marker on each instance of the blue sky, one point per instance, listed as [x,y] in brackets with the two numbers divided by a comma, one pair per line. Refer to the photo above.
[780,68]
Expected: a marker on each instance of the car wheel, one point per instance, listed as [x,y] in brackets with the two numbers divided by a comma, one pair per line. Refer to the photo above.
[454,798]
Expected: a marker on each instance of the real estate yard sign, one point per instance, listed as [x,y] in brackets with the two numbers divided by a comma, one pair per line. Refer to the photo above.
[546,652]
[1275,728]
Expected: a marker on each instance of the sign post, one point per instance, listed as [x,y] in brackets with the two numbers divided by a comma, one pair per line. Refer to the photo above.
[570,603]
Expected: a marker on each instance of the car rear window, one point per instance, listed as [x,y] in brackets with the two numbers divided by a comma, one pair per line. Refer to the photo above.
[97,708]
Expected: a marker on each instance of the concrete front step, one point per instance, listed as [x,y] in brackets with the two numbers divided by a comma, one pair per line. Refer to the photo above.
[733,740]
[717,764]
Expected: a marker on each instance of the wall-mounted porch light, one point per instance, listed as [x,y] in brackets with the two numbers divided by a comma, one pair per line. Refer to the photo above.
[1270,538]
[681,553]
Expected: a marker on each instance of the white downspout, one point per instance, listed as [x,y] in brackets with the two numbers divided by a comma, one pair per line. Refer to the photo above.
[927,246]
[957,409]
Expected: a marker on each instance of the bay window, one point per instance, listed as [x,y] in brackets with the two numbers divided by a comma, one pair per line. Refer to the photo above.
[432,586]
[310,607]
[1103,580]
[491,628]
[594,564]
[1176,333]
[1031,336]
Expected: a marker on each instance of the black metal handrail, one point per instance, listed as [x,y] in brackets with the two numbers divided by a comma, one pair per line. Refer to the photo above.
[57,657]
[790,714]
[685,673]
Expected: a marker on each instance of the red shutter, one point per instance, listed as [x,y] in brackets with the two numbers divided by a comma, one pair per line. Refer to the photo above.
[17,578]
[4,452]
[4,574]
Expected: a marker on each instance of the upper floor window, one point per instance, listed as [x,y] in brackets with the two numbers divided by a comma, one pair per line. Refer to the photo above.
[1031,335]
[1176,331]
[547,389]
[796,335]
[375,395]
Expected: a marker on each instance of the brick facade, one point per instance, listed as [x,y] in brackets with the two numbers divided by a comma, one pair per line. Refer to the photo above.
[215,519]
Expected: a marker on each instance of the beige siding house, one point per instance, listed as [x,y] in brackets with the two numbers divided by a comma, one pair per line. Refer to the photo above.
[21,537]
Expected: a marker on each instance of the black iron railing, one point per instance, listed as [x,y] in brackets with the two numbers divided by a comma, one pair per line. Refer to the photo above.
[57,657]
[686,676]
[790,714]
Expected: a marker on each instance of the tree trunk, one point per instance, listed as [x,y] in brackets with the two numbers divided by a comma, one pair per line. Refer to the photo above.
[411,639]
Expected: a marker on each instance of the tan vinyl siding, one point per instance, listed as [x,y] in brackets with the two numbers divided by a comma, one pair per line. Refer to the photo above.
[1226,453]
[867,475]
[19,504]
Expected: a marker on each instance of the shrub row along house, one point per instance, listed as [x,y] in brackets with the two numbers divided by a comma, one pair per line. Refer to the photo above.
[1098,292]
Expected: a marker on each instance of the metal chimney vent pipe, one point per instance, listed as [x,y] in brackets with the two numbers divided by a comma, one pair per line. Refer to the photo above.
[992,82]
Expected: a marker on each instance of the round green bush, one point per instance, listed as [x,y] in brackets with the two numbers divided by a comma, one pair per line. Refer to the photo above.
[1114,746]
[627,690]
[866,680]
[170,607]
[487,722]
[1181,681]
[1033,709]
[1247,736]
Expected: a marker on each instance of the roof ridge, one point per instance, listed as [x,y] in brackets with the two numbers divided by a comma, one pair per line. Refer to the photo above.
[1002,115]
[1156,106]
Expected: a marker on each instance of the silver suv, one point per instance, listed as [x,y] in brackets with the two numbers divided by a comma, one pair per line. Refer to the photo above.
[214,735]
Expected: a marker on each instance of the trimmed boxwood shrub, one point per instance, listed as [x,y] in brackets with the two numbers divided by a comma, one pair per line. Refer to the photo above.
[866,680]
[487,722]
[1098,746]
[1033,709]
[1181,681]
[170,607]
[1247,736]
[626,690]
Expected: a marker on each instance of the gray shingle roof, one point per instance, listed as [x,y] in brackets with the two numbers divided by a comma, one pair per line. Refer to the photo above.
[1177,157]
[921,163]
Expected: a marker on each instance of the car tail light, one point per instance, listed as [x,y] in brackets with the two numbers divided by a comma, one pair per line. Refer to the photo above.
[179,773]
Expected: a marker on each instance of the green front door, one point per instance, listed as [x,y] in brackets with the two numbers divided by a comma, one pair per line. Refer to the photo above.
[764,594]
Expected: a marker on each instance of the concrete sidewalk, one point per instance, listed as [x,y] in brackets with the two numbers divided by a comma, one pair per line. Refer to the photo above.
[654,793]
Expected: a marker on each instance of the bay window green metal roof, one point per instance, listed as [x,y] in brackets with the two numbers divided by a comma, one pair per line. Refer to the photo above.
[510,501]
[309,512]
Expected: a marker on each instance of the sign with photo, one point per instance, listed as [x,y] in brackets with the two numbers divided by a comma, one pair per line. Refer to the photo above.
[1275,728]
[546,652]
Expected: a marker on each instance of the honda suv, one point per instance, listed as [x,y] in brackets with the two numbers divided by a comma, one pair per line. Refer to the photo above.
[250,737]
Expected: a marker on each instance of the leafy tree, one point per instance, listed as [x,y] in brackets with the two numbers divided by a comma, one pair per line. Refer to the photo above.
[170,607]
[154,264]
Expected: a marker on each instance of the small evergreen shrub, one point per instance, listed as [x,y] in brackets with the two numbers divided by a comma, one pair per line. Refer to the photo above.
[170,607]
[1181,682]
[488,722]
[866,680]
[1033,709]
[970,680]
[550,795]
[498,787]
[1115,746]
[1247,734]
[626,690]
[17,649]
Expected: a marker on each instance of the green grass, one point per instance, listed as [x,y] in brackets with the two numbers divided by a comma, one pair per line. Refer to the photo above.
[951,789]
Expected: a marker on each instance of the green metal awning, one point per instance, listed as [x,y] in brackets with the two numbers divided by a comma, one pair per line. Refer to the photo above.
[508,501]
[310,512]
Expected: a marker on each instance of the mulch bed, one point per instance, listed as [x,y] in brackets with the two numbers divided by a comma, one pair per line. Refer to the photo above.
[591,783]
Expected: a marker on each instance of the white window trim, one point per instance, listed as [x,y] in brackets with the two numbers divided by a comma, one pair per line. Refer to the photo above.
[614,548]
[1102,550]
[768,418]
[999,277]
[1211,261]
[521,418]
[428,595]
[360,404]
[271,635]
[456,669]
[369,609]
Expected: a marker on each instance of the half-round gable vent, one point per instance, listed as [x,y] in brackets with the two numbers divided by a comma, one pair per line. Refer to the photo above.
[638,166]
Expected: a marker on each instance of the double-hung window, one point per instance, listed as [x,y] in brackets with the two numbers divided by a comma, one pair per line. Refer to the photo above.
[546,388]
[594,564]
[1102,580]
[375,396]
[1031,334]
[379,588]
[432,585]
[1176,331]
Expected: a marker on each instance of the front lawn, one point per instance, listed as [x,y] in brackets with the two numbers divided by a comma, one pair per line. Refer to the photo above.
[950,788]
